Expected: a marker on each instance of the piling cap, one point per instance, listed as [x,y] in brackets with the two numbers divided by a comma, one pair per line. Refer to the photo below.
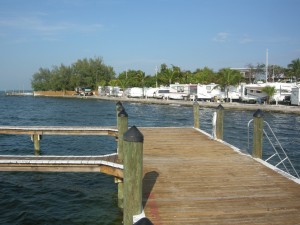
[258,114]
[196,103]
[133,135]
[119,106]
[122,113]
[118,103]
[220,107]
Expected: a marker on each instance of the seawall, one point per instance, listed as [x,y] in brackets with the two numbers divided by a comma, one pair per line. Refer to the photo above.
[231,106]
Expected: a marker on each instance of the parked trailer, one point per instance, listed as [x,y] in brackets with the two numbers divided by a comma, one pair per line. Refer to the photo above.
[295,96]
[182,91]
[135,92]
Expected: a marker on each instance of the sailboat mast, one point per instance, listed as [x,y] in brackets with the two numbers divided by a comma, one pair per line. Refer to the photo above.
[267,65]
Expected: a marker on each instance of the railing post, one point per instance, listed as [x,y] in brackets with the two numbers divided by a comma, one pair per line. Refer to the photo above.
[133,174]
[36,143]
[258,123]
[122,128]
[219,122]
[119,108]
[196,115]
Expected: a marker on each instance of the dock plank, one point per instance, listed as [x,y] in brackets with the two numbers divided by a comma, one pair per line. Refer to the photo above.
[192,179]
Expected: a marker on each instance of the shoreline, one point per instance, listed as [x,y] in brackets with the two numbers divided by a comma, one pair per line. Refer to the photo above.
[286,109]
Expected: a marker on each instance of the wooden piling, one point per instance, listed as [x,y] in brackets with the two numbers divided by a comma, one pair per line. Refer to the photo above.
[133,174]
[119,108]
[219,122]
[122,128]
[196,115]
[258,123]
[36,143]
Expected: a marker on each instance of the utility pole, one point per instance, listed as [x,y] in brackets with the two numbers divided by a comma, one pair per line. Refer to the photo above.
[156,76]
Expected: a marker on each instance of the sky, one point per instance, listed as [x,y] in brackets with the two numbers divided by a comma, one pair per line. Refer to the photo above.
[143,34]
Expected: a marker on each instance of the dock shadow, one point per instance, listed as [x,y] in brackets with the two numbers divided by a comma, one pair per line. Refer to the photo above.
[149,181]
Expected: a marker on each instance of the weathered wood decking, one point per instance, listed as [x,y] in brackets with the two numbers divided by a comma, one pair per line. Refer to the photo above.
[191,179]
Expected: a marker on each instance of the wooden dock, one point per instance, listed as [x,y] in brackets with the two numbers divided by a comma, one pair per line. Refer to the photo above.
[177,175]
[192,179]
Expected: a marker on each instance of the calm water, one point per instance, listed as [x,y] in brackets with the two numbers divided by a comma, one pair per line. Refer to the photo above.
[90,198]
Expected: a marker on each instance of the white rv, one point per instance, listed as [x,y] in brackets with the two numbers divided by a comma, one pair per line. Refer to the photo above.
[254,93]
[182,91]
[162,93]
[295,96]
[135,92]
[150,92]
[207,92]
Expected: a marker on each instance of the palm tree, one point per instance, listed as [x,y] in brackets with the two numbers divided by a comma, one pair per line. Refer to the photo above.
[270,91]
[295,67]
[141,78]
[228,77]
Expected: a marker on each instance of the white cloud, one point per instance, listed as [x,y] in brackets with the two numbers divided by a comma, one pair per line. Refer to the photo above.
[38,26]
[221,37]
[246,39]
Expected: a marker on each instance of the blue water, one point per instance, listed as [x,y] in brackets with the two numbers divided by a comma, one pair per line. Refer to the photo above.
[91,198]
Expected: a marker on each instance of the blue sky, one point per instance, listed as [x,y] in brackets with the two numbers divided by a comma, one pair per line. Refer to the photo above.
[140,34]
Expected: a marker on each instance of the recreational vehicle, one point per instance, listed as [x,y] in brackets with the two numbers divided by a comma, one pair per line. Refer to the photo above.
[253,92]
[135,92]
[295,96]
[182,91]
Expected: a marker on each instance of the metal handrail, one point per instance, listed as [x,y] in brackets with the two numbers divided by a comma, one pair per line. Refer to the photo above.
[282,160]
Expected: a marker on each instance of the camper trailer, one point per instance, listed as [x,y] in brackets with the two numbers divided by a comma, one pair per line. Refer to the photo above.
[253,92]
[182,91]
[207,92]
[135,92]
[295,96]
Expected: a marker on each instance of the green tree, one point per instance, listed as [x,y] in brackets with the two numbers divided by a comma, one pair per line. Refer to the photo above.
[167,76]
[204,76]
[228,77]
[41,80]
[132,78]
[82,73]
[270,91]
[150,81]
[294,66]
[113,83]
[177,74]
[186,77]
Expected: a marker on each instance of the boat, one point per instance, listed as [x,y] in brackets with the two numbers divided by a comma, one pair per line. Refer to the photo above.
[15,93]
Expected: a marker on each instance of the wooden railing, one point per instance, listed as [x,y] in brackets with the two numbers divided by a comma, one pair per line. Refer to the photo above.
[129,154]
[37,132]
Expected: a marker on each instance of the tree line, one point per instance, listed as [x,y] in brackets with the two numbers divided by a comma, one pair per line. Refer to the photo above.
[82,73]
[93,73]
